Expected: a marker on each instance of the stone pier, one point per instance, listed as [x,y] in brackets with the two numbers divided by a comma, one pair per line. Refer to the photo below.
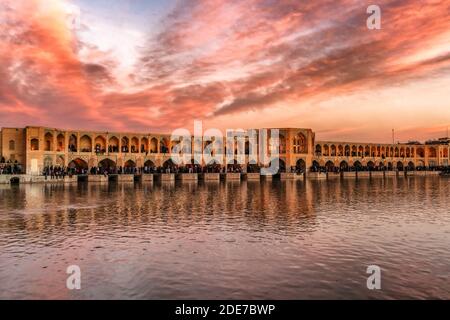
[187,176]
[253,176]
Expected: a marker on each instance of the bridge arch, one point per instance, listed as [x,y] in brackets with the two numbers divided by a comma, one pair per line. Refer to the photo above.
[130,164]
[329,166]
[343,166]
[78,165]
[301,165]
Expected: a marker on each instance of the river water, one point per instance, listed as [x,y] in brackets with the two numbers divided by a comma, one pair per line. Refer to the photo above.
[228,240]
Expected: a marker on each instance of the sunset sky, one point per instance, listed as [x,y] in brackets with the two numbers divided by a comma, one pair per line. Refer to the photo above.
[153,66]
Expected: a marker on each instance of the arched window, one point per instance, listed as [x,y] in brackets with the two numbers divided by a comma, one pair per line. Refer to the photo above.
[300,145]
[12,145]
[34,144]
[48,142]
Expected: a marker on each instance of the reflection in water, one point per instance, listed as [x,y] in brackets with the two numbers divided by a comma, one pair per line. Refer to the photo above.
[249,240]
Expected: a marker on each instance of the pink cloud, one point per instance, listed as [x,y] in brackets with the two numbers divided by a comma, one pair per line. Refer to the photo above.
[215,58]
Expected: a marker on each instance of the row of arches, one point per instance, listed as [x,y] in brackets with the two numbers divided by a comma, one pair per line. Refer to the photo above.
[109,164]
[100,144]
[374,151]
[330,166]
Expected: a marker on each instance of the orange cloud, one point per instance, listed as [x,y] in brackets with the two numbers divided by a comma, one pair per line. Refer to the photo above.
[215,59]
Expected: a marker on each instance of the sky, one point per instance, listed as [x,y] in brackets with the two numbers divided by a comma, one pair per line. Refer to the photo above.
[154,66]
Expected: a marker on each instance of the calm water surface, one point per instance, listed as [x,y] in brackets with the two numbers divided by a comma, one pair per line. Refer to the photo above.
[249,240]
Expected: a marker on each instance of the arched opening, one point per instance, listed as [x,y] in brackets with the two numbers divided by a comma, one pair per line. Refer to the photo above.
[100,145]
[330,166]
[300,145]
[234,167]
[390,166]
[125,142]
[130,164]
[154,145]
[333,150]
[12,145]
[347,151]
[78,166]
[360,151]
[402,152]
[48,162]
[318,150]
[326,150]
[60,142]
[149,163]
[396,153]
[354,151]
[340,151]
[432,153]
[281,165]
[34,144]
[134,145]
[420,152]
[411,166]
[367,151]
[73,143]
[113,145]
[381,166]
[253,168]
[107,165]
[371,165]
[169,164]
[408,153]
[357,166]
[399,166]
[300,166]
[343,166]
[149,166]
[48,138]
[86,144]
[60,161]
[315,166]
[282,144]
[164,146]
[420,165]
[144,145]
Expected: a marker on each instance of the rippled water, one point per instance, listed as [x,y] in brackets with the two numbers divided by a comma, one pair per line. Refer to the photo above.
[247,240]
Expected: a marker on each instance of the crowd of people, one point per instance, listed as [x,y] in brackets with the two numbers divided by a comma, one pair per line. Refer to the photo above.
[10,168]
[58,172]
